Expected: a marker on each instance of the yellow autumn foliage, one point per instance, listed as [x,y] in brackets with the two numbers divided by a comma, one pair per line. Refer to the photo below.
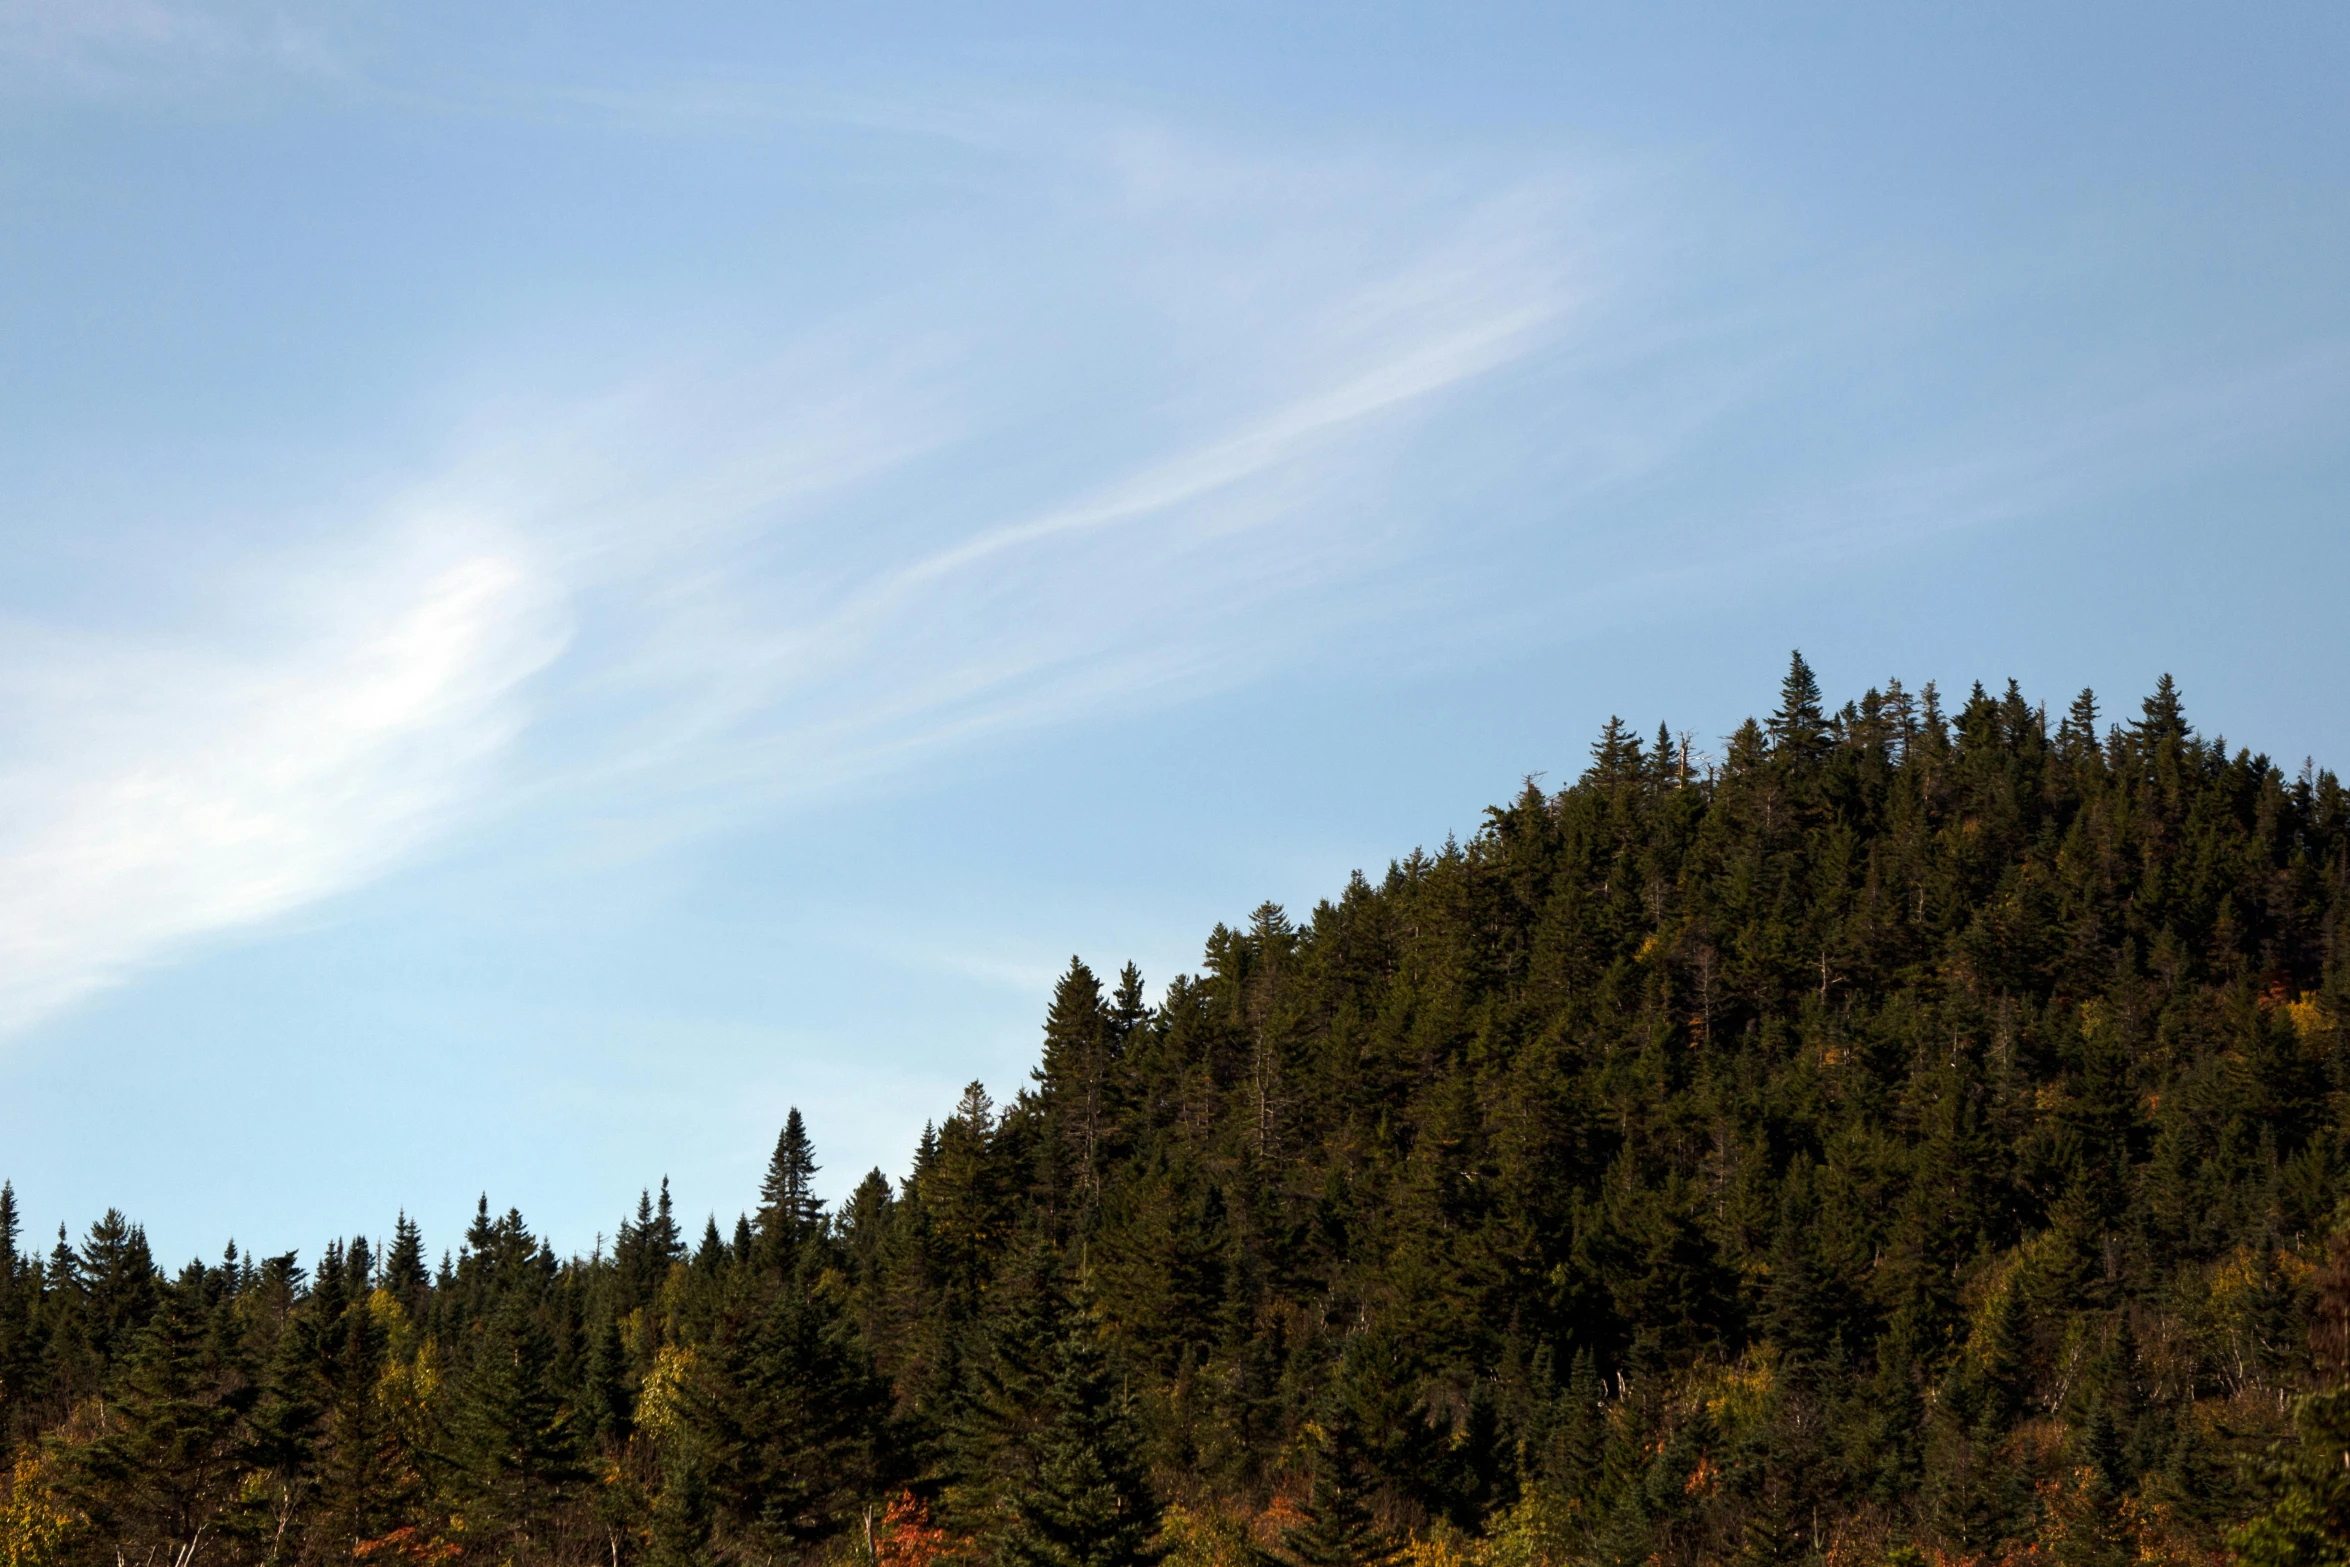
[392,1317]
[1205,1537]
[35,1527]
[2248,1291]
[407,1391]
[1541,1529]
[2308,1016]
[660,1408]
[1739,1393]
[1439,1548]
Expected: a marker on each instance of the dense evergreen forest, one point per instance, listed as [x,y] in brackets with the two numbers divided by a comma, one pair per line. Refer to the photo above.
[1910,1136]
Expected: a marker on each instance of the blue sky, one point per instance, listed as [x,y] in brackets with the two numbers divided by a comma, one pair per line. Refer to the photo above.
[576,578]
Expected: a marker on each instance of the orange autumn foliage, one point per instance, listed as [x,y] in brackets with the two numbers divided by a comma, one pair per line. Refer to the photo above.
[908,1538]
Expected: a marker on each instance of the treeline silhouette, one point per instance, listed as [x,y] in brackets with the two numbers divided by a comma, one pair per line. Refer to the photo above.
[1908,1136]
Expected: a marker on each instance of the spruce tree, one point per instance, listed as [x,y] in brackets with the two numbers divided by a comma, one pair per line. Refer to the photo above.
[1798,729]
[789,1209]
[117,1282]
[711,1257]
[990,1413]
[366,1482]
[968,1195]
[163,1470]
[1073,1078]
[19,1294]
[2077,740]
[1615,755]
[1090,1504]
[1128,1010]
[404,1272]
[2164,717]
[664,1242]
[782,1414]
[515,1445]
[284,1429]
[646,1248]
[1338,1529]
[607,1410]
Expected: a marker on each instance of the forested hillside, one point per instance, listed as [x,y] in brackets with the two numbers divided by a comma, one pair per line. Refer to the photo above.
[1907,1136]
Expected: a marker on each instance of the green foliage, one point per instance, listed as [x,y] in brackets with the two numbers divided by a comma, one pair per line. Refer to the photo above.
[789,1208]
[1912,1134]
[162,1470]
[1089,1501]
[781,1414]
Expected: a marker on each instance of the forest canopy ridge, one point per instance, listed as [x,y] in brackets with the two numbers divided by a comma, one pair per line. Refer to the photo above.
[1909,1132]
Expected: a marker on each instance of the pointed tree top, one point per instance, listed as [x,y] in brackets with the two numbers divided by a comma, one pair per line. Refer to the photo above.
[2166,715]
[1798,725]
[788,1205]
[1617,755]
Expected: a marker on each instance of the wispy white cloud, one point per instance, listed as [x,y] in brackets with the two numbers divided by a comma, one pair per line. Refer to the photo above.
[1420,368]
[110,45]
[65,31]
[876,588]
[154,792]
[765,571]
